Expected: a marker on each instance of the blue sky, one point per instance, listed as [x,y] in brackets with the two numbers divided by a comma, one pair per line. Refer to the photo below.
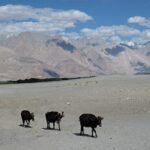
[100,16]
[104,12]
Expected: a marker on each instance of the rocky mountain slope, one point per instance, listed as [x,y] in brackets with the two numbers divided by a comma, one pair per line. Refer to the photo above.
[41,56]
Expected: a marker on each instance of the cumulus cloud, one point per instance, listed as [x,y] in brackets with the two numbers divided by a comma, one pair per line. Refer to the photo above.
[146,34]
[15,19]
[113,33]
[19,18]
[143,37]
[140,20]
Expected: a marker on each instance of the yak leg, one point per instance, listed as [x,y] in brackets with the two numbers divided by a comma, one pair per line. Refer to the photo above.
[28,122]
[82,130]
[93,130]
[53,125]
[59,126]
[23,121]
[48,125]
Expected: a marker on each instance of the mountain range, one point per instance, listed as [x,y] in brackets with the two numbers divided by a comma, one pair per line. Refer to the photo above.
[40,55]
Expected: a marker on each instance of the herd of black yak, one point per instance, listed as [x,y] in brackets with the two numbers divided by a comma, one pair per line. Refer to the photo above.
[86,120]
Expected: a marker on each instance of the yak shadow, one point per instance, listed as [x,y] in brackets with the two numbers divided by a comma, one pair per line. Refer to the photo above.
[25,126]
[86,135]
[51,129]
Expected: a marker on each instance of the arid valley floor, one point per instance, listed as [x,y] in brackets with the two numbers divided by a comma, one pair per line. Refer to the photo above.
[123,101]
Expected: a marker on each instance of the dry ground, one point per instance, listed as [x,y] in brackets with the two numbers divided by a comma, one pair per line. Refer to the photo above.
[123,101]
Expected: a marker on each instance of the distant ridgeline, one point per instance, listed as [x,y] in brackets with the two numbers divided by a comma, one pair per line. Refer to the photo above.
[34,80]
[145,73]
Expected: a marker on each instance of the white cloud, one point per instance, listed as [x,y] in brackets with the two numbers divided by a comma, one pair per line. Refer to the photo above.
[130,43]
[143,37]
[146,34]
[116,39]
[122,33]
[140,20]
[19,18]
[112,33]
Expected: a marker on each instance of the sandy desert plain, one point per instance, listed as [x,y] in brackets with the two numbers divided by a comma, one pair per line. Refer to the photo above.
[123,101]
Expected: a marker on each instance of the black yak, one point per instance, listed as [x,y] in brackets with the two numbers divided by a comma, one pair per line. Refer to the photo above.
[90,120]
[52,117]
[26,117]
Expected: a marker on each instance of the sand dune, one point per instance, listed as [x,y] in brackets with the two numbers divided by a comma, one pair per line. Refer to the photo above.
[123,101]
